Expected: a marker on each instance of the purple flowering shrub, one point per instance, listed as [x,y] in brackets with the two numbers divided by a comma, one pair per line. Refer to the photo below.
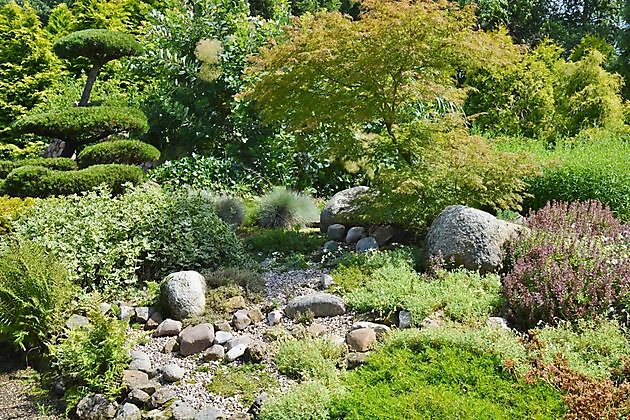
[575,264]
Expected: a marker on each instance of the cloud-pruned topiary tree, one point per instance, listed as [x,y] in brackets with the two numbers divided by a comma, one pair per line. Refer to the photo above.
[86,124]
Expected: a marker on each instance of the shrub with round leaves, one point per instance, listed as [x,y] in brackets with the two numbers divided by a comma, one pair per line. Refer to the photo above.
[83,124]
[131,152]
[59,164]
[98,45]
[37,181]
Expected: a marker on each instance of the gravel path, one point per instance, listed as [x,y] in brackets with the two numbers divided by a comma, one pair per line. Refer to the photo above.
[15,400]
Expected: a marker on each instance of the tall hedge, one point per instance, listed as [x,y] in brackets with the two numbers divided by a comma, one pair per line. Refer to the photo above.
[37,181]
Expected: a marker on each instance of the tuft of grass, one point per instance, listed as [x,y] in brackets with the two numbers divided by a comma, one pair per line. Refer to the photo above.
[231,210]
[245,381]
[286,209]
[310,358]
[269,241]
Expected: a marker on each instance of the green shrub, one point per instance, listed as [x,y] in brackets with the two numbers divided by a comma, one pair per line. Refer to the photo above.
[144,233]
[130,152]
[36,181]
[231,210]
[592,167]
[311,358]
[286,209]
[92,358]
[10,209]
[428,380]
[245,381]
[591,348]
[251,281]
[99,45]
[83,124]
[58,164]
[308,400]
[35,295]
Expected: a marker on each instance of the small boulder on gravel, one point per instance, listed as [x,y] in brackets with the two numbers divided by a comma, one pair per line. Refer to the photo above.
[222,337]
[383,234]
[367,244]
[182,411]
[133,379]
[141,314]
[168,327]
[256,351]
[235,352]
[126,312]
[471,238]
[162,396]
[95,407]
[325,281]
[172,372]
[184,294]
[361,340]
[150,387]
[128,411]
[140,361]
[274,318]
[245,339]
[138,397]
[255,315]
[157,414]
[210,413]
[316,329]
[170,346]
[215,353]
[342,208]
[354,360]
[319,304]
[223,326]
[379,329]
[497,322]
[193,340]
[241,320]
[355,234]
[336,232]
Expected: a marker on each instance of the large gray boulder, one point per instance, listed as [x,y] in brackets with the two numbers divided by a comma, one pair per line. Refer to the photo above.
[318,304]
[471,238]
[342,208]
[184,294]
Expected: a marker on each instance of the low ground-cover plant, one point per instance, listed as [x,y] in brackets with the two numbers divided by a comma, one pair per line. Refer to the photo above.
[245,381]
[92,358]
[310,358]
[35,295]
[575,264]
[281,208]
[130,152]
[304,401]
[145,233]
[37,181]
[426,379]
[593,349]
[462,295]
[269,241]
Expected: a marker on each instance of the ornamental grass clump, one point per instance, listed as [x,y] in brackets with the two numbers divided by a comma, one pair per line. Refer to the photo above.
[286,209]
[575,264]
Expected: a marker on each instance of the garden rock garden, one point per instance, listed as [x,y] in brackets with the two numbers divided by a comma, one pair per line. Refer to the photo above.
[372,209]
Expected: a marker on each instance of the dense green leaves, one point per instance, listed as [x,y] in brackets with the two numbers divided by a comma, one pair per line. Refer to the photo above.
[99,45]
[83,124]
[37,181]
[132,152]
[59,164]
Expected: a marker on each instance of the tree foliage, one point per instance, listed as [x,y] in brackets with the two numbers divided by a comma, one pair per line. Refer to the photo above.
[317,75]
[98,45]
[27,65]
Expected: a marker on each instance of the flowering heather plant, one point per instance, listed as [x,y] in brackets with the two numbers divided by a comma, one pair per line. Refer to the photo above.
[575,264]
